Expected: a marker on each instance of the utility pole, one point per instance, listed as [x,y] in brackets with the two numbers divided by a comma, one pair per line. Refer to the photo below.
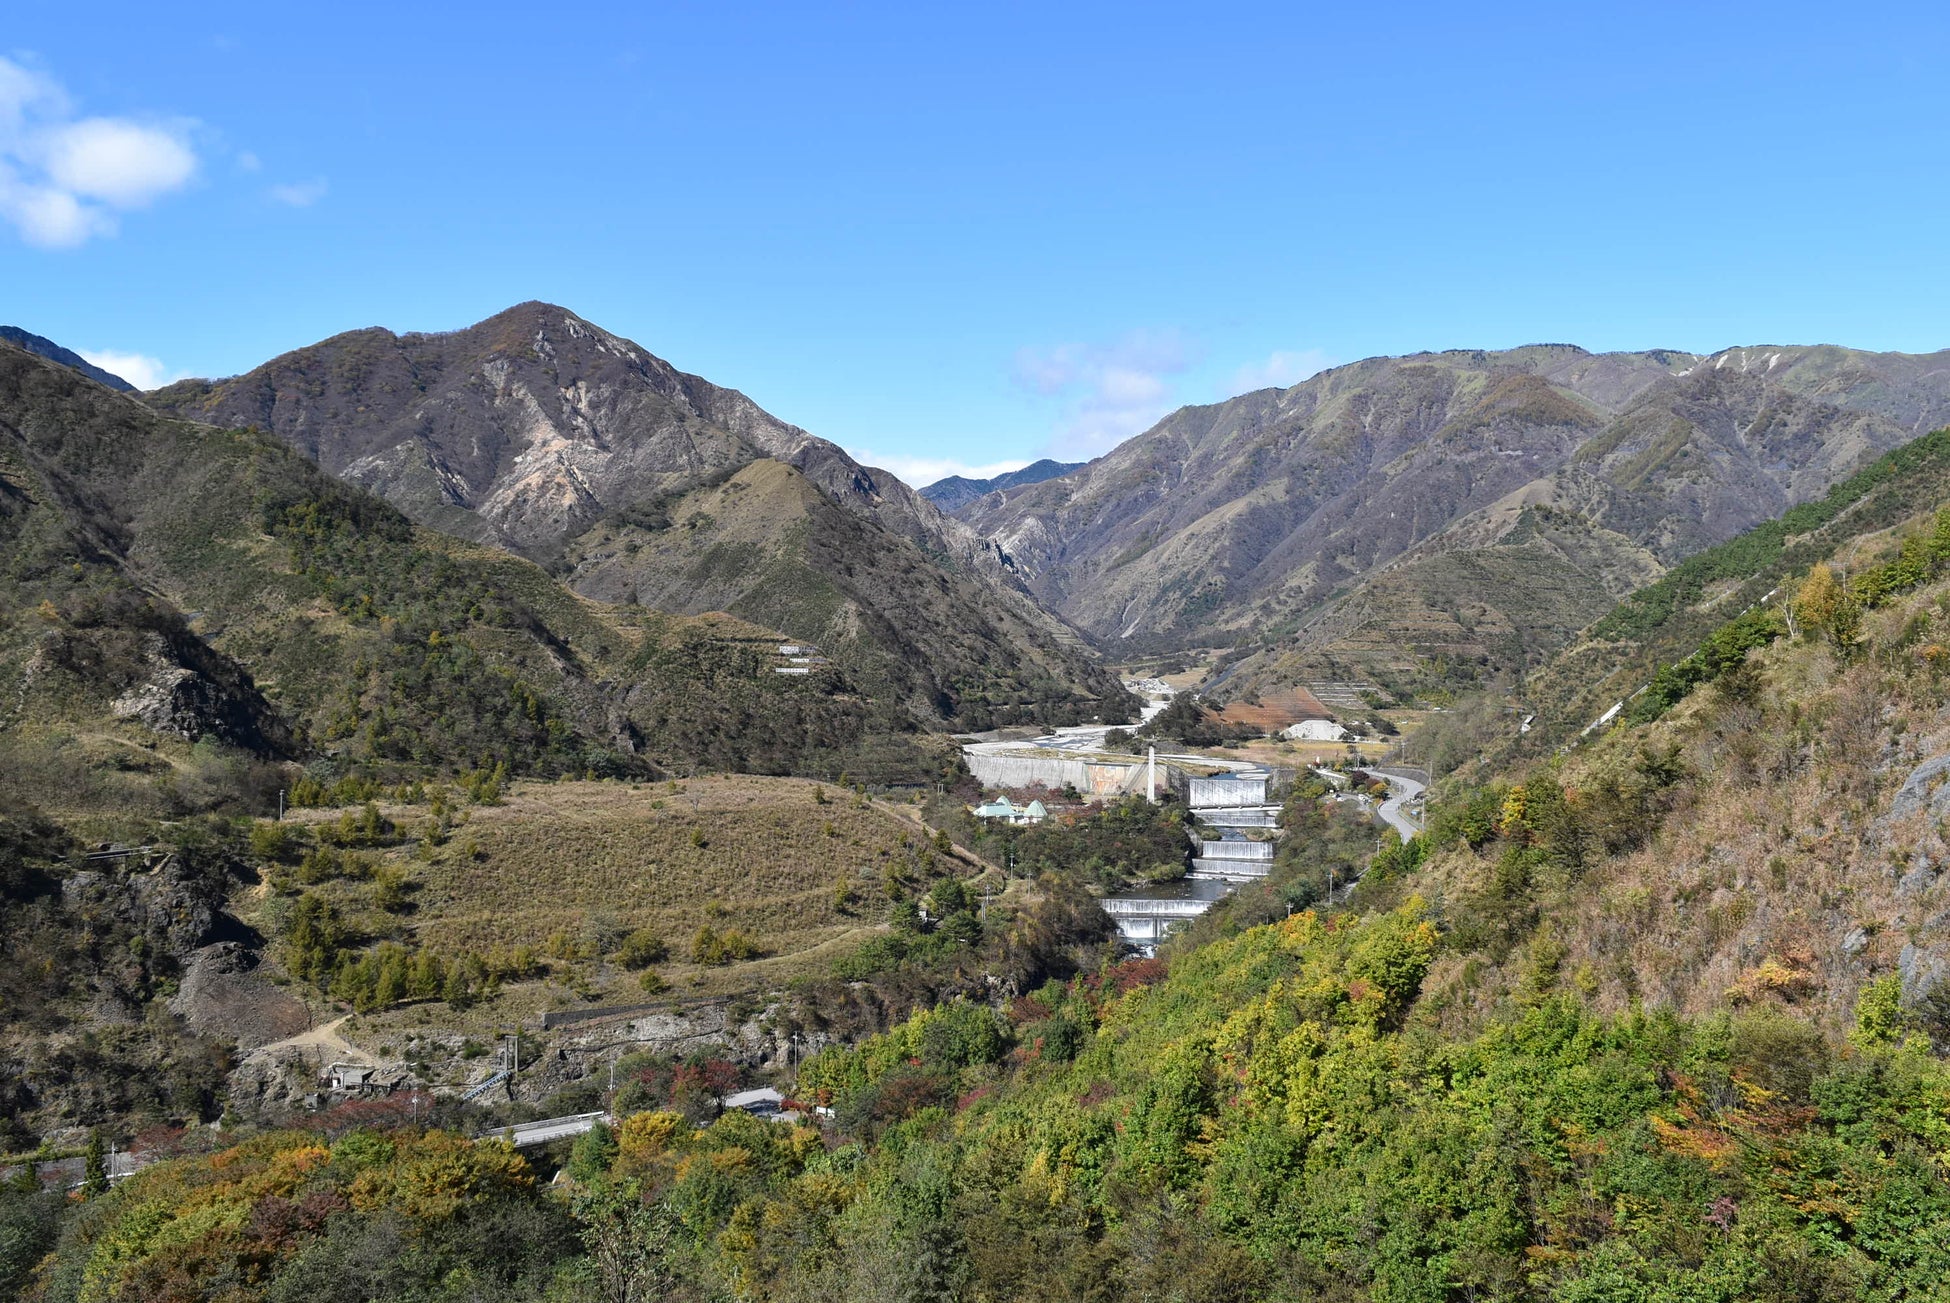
[280,805]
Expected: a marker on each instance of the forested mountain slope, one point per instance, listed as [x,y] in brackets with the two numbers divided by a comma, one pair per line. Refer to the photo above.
[1472,507]
[539,432]
[53,352]
[167,580]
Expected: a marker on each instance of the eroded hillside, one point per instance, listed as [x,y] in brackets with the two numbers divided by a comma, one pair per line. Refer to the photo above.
[541,433]
[1445,514]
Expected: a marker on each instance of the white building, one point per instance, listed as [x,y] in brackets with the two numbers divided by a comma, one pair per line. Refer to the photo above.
[1009,812]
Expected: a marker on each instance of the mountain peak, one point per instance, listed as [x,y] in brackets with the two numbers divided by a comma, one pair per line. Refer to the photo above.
[957,491]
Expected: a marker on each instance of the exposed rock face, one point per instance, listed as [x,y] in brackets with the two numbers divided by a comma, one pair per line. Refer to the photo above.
[1927,788]
[177,911]
[224,995]
[1265,512]
[217,700]
[168,680]
[526,428]
[538,432]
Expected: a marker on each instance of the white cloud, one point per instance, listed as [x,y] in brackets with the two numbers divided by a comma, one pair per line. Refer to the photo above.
[123,164]
[1106,392]
[64,179]
[1281,368]
[50,218]
[249,162]
[302,195]
[919,472]
[24,91]
[139,369]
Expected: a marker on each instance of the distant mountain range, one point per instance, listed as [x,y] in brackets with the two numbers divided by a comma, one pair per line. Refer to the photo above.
[541,433]
[1443,514]
[957,491]
[1434,519]
[53,352]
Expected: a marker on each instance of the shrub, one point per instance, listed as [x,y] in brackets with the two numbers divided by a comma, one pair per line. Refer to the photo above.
[642,948]
[711,946]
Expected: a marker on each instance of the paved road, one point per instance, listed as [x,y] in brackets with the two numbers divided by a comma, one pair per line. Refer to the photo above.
[1400,792]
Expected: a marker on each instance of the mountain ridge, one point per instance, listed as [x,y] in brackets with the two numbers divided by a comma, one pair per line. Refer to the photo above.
[539,432]
[161,579]
[1254,520]
[42,346]
[957,491]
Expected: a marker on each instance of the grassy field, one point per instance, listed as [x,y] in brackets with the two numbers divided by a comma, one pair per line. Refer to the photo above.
[758,854]
[572,861]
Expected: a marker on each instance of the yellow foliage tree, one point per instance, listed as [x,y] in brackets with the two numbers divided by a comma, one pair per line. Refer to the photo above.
[1824,605]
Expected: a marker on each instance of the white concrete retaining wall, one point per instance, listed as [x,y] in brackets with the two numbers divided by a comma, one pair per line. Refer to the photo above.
[1088,777]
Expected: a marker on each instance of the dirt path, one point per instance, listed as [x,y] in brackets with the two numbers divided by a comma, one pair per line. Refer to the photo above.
[831,946]
[911,815]
[324,1038]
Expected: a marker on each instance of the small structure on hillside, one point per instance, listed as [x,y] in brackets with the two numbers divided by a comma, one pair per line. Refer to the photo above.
[799,658]
[762,1102]
[1315,730]
[1009,812]
[355,1077]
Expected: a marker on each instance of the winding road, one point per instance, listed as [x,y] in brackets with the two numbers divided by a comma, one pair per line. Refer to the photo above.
[1401,791]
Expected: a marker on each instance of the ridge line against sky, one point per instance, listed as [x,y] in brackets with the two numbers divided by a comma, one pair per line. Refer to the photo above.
[958,239]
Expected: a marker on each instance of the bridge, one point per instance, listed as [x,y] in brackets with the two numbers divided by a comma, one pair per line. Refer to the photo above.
[523,1134]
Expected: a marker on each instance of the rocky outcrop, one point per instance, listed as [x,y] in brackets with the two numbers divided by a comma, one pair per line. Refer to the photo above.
[225,994]
[176,909]
[171,682]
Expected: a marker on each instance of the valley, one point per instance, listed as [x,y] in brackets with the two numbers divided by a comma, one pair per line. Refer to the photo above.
[1345,839]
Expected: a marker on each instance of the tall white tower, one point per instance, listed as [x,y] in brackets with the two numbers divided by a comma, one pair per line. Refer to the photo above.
[1151,777]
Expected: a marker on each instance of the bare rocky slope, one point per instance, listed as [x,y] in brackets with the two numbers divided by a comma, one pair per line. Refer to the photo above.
[1461,510]
[538,432]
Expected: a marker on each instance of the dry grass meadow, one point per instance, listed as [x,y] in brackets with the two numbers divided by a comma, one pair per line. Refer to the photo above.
[761,855]
[767,857]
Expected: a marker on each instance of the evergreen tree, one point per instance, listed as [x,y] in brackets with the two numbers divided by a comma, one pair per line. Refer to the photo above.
[94,1179]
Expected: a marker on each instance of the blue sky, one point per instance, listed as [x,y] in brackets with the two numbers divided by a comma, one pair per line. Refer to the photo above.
[955,236]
